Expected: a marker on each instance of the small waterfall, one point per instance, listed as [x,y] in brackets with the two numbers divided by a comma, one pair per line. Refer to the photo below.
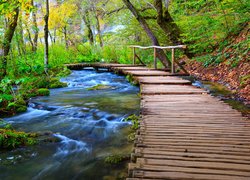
[69,146]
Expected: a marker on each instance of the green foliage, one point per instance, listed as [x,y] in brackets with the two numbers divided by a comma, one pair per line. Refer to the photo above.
[135,121]
[131,79]
[207,23]
[244,80]
[115,159]
[56,83]
[43,92]
[9,138]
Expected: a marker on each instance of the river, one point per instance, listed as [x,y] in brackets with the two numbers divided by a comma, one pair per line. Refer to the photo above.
[89,124]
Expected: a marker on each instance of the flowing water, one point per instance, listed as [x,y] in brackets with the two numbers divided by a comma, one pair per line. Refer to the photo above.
[88,123]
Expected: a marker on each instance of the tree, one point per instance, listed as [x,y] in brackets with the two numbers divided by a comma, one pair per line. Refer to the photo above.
[8,35]
[34,28]
[61,15]
[46,35]
[168,25]
[86,20]
[145,26]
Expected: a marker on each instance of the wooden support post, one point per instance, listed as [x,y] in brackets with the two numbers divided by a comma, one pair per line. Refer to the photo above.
[134,55]
[155,60]
[172,65]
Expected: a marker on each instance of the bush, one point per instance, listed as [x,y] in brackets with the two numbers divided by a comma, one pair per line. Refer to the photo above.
[43,92]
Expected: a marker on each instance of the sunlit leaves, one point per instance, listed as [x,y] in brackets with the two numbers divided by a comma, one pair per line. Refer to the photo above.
[60,15]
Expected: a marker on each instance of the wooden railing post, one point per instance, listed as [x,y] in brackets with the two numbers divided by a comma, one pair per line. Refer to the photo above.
[172,65]
[134,55]
[172,48]
[155,60]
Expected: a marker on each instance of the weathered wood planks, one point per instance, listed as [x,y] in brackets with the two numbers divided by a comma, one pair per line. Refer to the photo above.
[184,133]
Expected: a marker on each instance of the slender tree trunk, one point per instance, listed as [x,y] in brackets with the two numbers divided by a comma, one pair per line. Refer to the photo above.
[98,29]
[20,39]
[65,37]
[160,53]
[54,40]
[167,24]
[46,34]
[35,29]
[88,25]
[18,45]
[51,38]
[7,41]
[29,37]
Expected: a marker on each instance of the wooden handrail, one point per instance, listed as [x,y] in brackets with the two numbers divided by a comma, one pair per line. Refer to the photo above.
[160,47]
[173,62]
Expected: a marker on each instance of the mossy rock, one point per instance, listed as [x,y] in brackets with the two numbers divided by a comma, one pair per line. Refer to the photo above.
[20,101]
[135,121]
[10,139]
[43,92]
[64,72]
[21,109]
[99,87]
[28,95]
[116,158]
[42,82]
[55,83]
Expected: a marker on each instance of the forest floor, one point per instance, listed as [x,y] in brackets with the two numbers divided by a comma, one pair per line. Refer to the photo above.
[230,66]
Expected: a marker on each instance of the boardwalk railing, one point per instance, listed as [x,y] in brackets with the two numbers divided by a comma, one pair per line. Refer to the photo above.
[173,62]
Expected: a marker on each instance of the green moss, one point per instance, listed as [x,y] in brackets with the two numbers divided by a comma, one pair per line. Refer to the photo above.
[18,106]
[55,83]
[64,72]
[244,80]
[135,121]
[131,79]
[20,101]
[116,159]
[131,137]
[21,109]
[10,139]
[99,87]
[43,92]
[217,89]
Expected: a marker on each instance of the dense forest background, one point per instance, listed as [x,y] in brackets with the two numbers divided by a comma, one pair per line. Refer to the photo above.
[38,37]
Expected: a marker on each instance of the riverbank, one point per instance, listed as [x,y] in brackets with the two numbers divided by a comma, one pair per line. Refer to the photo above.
[228,65]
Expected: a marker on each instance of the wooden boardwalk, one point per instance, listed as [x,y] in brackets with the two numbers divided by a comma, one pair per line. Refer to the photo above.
[185,133]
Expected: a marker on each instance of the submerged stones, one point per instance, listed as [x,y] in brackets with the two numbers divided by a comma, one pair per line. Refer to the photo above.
[100,87]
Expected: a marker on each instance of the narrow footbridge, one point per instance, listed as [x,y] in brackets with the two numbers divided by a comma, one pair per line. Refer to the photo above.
[184,132]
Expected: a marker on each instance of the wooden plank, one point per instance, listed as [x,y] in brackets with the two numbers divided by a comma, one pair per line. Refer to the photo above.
[147,73]
[184,133]
[161,80]
[184,176]
[169,89]
[195,164]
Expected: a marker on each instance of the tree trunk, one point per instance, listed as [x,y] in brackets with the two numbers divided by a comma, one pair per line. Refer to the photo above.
[20,40]
[35,29]
[88,25]
[65,37]
[160,53]
[7,41]
[29,37]
[98,29]
[167,24]
[54,40]
[46,35]
[51,37]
